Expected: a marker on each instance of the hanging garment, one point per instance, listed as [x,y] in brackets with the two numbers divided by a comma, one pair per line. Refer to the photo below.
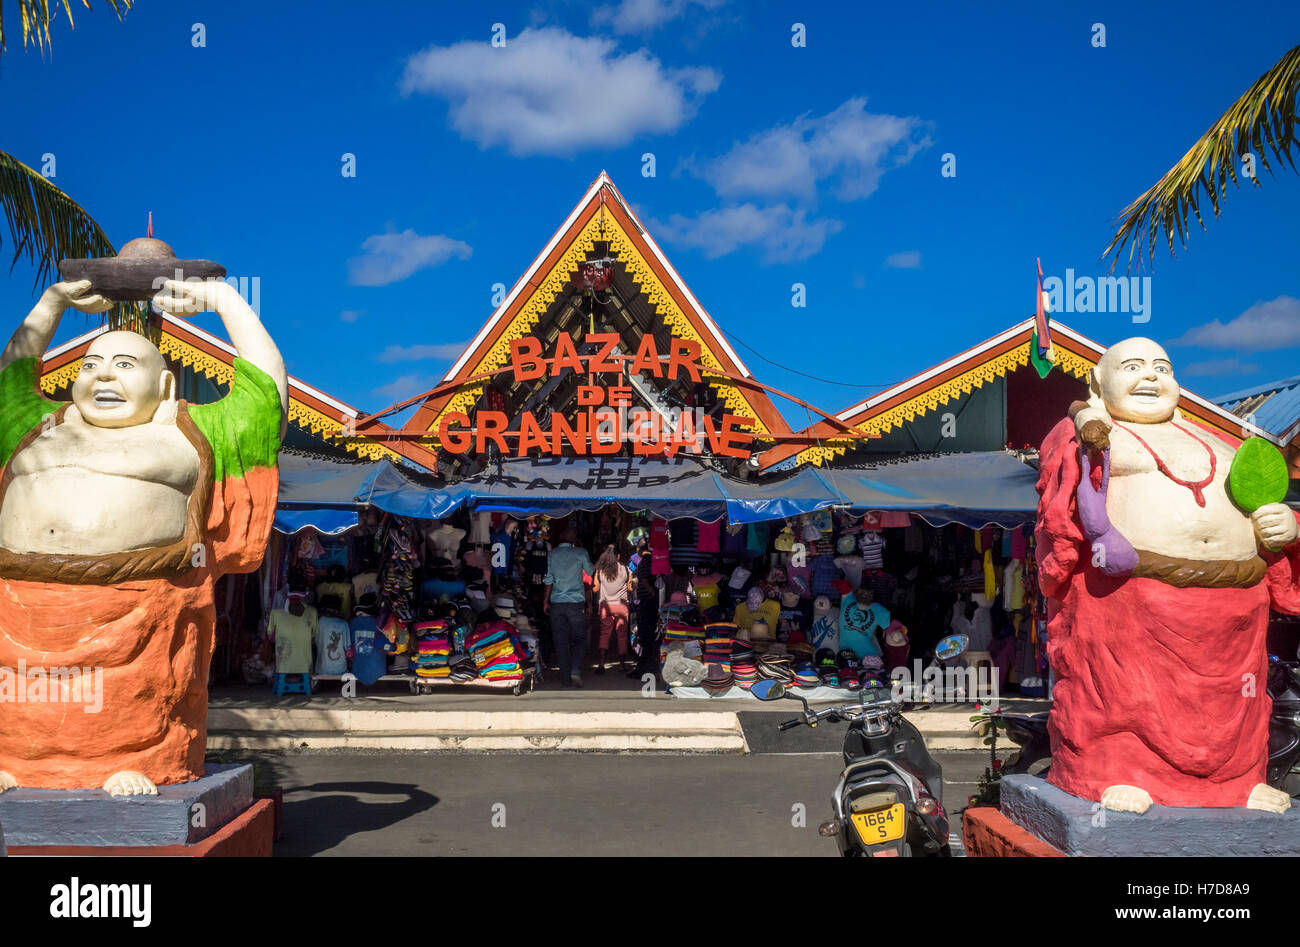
[710,537]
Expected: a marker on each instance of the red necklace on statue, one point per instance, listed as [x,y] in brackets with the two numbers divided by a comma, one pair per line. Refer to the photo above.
[1198,487]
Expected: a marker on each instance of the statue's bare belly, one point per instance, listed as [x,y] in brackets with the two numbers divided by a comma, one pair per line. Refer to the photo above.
[1157,514]
[91,491]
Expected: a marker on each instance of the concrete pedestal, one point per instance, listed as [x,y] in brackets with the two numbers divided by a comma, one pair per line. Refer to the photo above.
[183,814]
[1079,827]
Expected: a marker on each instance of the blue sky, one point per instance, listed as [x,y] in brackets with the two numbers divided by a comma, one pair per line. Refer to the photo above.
[775,165]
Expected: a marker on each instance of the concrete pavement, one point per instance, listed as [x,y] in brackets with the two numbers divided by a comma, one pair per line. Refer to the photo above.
[352,803]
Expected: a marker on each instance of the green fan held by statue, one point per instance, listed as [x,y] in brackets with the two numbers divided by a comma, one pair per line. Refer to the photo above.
[1259,476]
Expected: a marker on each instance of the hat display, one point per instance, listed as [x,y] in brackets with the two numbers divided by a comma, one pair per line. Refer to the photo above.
[718,679]
[805,675]
[754,598]
[811,533]
[845,544]
[760,631]
[789,598]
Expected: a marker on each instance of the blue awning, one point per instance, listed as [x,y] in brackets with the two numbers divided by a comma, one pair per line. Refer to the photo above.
[974,489]
[393,490]
[666,487]
[319,492]
[751,501]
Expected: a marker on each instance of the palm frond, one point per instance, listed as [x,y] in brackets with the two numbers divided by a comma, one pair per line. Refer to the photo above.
[46,225]
[37,15]
[1261,121]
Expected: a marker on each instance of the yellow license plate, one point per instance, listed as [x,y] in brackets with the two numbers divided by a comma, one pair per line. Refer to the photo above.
[882,825]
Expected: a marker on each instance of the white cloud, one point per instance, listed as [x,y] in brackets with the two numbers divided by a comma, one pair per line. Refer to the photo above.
[1274,324]
[783,234]
[419,353]
[645,16]
[1219,367]
[390,257]
[351,315]
[850,145]
[548,91]
[907,260]
[404,386]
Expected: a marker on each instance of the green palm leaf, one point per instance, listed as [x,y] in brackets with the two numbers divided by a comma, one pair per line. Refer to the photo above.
[46,225]
[1260,122]
[37,15]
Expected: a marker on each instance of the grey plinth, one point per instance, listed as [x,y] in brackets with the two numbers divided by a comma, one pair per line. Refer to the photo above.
[93,817]
[1078,827]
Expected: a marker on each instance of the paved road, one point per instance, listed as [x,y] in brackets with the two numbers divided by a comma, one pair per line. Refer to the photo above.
[566,804]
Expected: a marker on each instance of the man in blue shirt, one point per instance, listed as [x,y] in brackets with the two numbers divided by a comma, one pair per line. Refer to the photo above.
[566,604]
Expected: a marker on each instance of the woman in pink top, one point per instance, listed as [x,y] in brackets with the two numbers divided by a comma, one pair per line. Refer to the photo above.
[612,579]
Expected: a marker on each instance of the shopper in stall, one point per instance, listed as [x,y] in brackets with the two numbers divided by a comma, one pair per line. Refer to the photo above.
[566,604]
[611,588]
[647,614]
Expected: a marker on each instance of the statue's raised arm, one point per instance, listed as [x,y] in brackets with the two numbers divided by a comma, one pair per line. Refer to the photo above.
[245,329]
[32,338]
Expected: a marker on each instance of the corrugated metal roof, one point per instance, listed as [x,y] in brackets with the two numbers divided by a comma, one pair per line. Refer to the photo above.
[1275,407]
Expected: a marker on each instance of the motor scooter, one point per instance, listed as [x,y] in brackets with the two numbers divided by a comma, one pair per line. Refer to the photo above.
[889,798]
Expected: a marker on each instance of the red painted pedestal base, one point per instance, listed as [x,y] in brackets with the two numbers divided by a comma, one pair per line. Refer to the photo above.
[987,833]
[248,836]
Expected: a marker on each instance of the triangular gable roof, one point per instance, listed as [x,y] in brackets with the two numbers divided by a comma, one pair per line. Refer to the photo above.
[992,358]
[602,215]
[309,408]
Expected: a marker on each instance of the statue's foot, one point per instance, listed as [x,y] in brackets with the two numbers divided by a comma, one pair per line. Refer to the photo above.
[1126,799]
[1265,797]
[130,783]
[7,781]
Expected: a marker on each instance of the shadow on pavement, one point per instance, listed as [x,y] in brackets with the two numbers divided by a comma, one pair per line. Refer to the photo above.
[335,812]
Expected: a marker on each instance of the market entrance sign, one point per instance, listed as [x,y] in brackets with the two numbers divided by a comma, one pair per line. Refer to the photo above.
[607,417]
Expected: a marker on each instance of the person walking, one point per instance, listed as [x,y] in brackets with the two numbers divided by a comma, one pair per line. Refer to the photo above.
[565,603]
[647,614]
[612,578]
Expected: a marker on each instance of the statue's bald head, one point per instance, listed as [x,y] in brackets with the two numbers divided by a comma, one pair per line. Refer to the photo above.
[123,380]
[1136,380]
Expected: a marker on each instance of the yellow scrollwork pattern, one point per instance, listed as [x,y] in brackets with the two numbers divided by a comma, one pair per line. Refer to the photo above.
[60,377]
[941,394]
[551,286]
[602,226]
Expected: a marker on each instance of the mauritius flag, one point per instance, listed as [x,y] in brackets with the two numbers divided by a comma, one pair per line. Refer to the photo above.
[1041,354]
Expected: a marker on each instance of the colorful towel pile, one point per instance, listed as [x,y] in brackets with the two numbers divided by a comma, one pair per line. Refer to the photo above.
[495,650]
[432,652]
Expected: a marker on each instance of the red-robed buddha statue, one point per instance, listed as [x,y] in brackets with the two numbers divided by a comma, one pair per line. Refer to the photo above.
[1159,588]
